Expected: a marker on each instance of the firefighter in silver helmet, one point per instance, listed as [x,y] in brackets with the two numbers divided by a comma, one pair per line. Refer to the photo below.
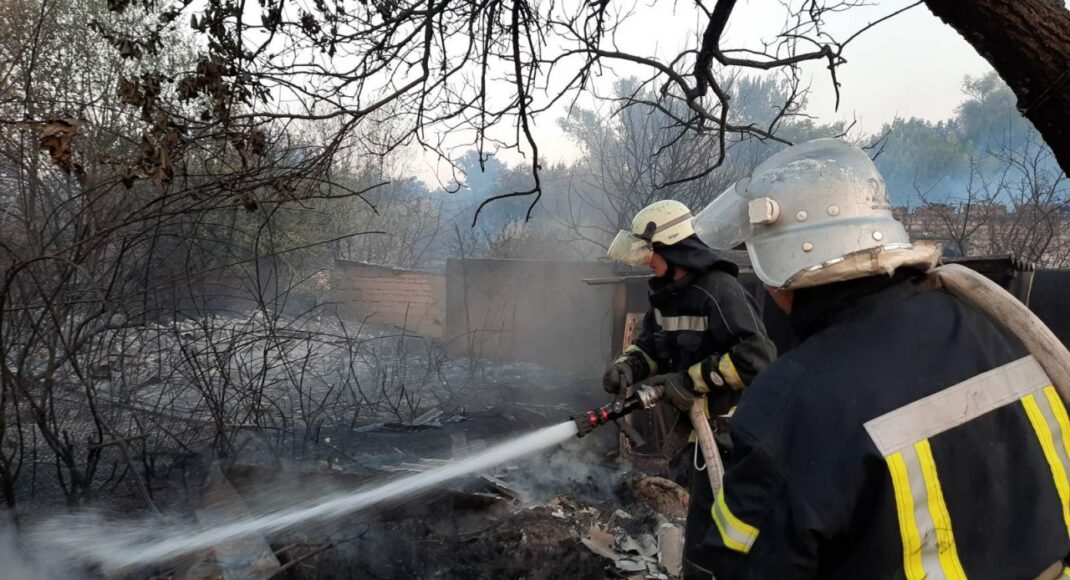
[905,435]
[701,335]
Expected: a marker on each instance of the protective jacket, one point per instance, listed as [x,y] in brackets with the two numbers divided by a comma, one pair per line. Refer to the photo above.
[703,323]
[706,325]
[906,436]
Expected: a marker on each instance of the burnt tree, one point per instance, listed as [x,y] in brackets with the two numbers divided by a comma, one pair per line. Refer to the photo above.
[1028,43]
[449,74]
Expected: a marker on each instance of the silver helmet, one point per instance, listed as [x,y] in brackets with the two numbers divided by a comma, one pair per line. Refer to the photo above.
[812,214]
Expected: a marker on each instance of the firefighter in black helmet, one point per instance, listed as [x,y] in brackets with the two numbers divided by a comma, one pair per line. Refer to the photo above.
[906,435]
[701,335]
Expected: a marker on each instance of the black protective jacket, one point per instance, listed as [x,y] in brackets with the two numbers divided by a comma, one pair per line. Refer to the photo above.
[702,323]
[706,325]
[906,436]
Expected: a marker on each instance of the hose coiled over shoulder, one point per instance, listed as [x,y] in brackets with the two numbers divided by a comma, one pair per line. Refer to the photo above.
[1005,309]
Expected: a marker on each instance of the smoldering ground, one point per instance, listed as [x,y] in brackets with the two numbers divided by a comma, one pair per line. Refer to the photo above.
[85,538]
[22,559]
[576,467]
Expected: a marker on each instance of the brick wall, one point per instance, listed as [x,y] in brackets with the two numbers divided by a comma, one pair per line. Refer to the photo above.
[390,296]
[531,310]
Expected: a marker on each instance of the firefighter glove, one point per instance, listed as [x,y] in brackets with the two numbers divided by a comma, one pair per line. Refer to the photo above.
[623,373]
[677,388]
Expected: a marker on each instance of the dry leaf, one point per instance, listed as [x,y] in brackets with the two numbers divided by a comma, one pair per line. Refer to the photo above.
[130,91]
[56,137]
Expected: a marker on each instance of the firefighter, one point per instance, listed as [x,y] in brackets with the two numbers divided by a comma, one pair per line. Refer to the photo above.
[701,334]
[906,435]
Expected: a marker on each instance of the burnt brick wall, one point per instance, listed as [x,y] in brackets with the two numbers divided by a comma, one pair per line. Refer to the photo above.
[538,311]
[390,296]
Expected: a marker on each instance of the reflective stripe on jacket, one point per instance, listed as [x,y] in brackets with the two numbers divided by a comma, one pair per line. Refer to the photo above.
[907,436]
[703,323]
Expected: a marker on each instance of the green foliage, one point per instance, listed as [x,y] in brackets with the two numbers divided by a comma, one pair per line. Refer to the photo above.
[921,158]
[926,161]
[989,117]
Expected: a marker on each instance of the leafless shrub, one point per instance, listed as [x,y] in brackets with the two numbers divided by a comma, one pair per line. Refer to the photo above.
[118,256]
[1015,201]
[472,73]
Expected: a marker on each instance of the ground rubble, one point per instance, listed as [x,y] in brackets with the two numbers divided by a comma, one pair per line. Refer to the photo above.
[578,511]
[567,538]
[555,515]
[481,528]
[563,538]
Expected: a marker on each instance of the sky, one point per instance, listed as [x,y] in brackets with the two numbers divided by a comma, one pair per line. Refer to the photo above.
[909,66]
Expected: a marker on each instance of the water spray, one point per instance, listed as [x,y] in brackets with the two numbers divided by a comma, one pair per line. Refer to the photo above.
[121,546]
[118,547]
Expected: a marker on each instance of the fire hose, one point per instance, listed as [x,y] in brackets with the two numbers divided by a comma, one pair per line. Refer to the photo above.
[1002,307]
[966,284]
[645,397]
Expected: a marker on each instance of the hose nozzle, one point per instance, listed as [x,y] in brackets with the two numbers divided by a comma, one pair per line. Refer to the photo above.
[643,398]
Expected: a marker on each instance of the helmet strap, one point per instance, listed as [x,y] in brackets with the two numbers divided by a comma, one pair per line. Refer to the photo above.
[649,231]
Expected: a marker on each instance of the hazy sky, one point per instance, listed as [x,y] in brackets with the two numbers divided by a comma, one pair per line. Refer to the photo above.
[911,66]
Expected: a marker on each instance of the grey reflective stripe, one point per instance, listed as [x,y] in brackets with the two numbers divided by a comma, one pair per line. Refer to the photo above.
[1048,416]
[924,522]
[1044,405]
[956,405]
[673,323]
[930,550]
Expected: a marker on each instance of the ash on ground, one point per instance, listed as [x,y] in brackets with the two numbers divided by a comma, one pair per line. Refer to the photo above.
[479,529]
[334,409]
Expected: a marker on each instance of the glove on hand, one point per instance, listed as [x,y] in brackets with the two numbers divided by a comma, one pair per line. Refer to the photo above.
[677,389]
[622,374]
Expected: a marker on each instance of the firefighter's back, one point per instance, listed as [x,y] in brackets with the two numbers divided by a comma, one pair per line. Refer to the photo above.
[920,437]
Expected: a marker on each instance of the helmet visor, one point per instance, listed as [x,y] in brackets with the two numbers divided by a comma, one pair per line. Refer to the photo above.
[627,248]
[725,222]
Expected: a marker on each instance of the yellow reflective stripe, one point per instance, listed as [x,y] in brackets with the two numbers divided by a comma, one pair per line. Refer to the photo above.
[735,534]
[1051,454]
[1059,411]
[727,369]
[908,528]
[945,537]
[697,380]
[929,551]
[649,361]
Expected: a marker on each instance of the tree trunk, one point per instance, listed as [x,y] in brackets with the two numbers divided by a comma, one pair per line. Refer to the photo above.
[1028,43]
